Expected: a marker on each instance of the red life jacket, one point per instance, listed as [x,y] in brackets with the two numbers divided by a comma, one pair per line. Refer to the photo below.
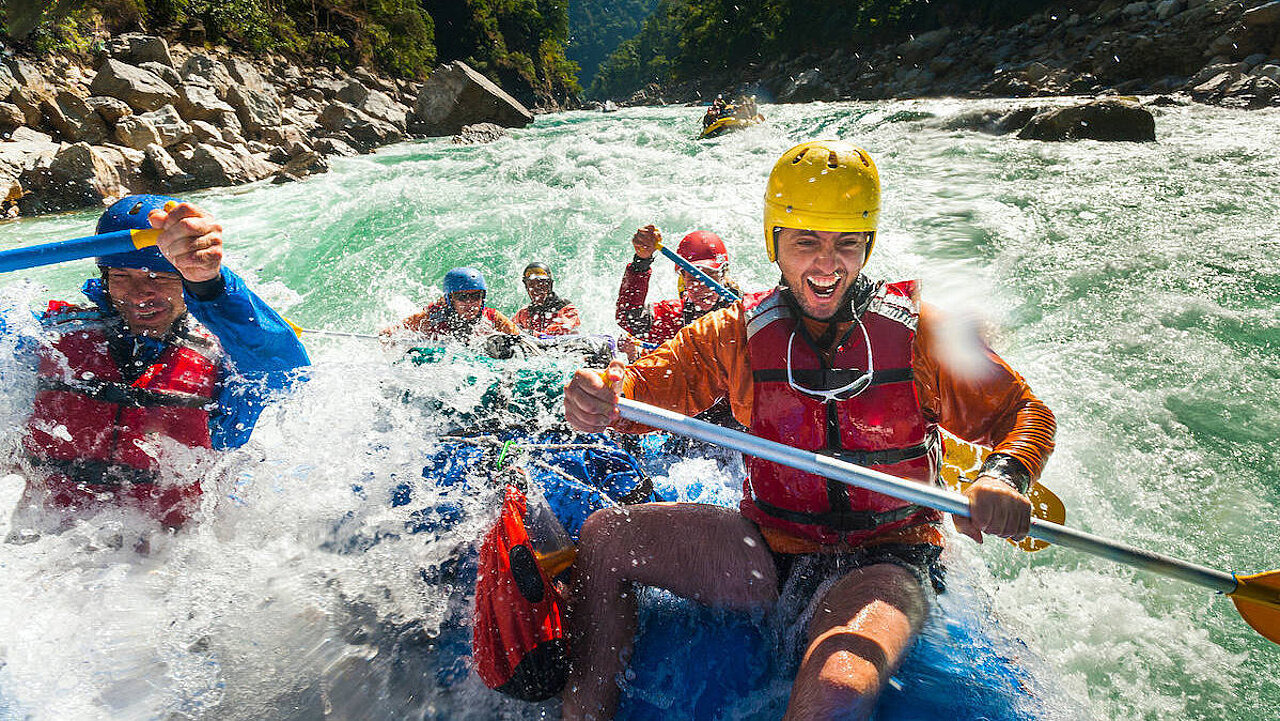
[442,323]
[95,434]
[518,639]
[882,427]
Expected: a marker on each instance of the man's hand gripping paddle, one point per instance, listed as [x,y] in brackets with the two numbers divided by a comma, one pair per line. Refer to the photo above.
[1256,596]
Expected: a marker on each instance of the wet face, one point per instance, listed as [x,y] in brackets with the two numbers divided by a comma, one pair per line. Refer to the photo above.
[468,303]
[820,266]
[539,289]
[697,294]
[149,302]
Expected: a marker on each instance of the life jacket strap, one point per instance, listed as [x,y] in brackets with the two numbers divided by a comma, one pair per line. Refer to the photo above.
[97,473]
[842,521]
[123,394]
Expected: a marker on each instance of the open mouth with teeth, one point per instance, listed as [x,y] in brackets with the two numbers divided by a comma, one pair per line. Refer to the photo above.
[824,289]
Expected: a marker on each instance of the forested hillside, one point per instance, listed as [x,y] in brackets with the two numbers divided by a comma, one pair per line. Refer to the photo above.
[518,42]
[597,27]
[686,38]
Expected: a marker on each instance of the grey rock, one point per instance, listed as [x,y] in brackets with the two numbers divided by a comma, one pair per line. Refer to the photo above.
[366,132]
[75,176]
[455,95]
[478,133]
[1263,16]
[11,118]
[1251,92]
[299,167]
[336,146]
[137,132]
[213,166]
[142,90]
[164,72]
[1111,120]
[136,48]
[74,119]
[164,171]
[8,83]
[209,69]
[204,132]
[31,101]
[257,109]
[244,73]
[198,100]
[25,73]
[807,87]
[168,124]
[110,109]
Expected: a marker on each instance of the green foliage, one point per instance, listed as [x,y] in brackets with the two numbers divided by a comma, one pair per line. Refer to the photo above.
[685,39]
[597,27]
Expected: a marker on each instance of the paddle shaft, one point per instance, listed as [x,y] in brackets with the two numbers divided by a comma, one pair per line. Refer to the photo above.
[696,272]
[119,241]
[918,493]
[339,333]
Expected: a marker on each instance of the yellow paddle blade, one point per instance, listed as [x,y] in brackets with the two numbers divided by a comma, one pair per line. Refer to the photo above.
[144,238]
[297,329]
[960,466]
[1257,598]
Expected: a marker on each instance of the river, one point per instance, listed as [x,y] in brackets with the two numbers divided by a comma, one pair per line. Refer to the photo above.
[1135,286]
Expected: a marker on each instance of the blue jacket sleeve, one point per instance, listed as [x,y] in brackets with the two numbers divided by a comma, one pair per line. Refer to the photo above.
[263,357]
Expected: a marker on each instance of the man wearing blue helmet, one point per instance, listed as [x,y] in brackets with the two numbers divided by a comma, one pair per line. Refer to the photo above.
[461,314]
[173,354]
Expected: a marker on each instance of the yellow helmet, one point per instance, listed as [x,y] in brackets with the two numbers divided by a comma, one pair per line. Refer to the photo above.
[828,185]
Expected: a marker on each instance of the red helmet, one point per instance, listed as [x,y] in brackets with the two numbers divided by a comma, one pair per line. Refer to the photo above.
[704,249]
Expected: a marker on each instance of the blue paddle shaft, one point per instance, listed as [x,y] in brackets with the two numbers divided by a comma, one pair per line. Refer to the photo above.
[119,241]
[696,272]
[917,493]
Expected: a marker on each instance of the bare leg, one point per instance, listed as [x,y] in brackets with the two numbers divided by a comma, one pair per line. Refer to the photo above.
[703,552]
[859,633]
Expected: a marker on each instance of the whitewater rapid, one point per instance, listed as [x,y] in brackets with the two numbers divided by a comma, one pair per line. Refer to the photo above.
[1135,286]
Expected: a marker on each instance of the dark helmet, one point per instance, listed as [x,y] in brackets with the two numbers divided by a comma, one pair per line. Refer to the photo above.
[130,213]
[537,270]
[461,279]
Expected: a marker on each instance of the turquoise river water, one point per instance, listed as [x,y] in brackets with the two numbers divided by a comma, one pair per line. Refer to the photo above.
[1136,286]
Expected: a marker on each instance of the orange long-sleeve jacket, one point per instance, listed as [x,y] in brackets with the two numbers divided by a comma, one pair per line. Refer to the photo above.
[961,383]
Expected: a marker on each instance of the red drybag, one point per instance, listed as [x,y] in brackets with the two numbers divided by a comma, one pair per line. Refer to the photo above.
[518,642]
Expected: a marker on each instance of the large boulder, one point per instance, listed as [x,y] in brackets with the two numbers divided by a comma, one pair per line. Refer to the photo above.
[143,90]
[257,109]
[136,49]
[1107,119]
[807,87]
[244,73]
[366,132]
[197,100]
[209,69]
[74,177]
[455,95]
[218,166]
[300,166]
[74,119]
[8,83]
[137,132]
[11,118]
[168,124]
[110,109]
[374,103]
[478,133]
[164,172]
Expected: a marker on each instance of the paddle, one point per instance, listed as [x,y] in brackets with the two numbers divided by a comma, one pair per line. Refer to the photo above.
[1256,597]
[119,241]
[696,272]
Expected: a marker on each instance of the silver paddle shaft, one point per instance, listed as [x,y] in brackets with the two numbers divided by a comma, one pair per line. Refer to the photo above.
[917,493]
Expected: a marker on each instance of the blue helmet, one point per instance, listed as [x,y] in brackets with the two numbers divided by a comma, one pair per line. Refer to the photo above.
[460,279]
[130,213]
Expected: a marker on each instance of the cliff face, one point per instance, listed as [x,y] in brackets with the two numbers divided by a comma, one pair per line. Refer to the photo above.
[1219,51]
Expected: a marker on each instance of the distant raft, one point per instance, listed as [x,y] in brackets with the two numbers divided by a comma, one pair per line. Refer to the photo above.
[729,125]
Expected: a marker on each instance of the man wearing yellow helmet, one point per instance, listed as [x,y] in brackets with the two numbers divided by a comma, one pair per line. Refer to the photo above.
[827,361]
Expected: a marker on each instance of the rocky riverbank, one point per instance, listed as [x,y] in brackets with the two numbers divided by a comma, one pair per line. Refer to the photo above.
[1223,52]
[147,116]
